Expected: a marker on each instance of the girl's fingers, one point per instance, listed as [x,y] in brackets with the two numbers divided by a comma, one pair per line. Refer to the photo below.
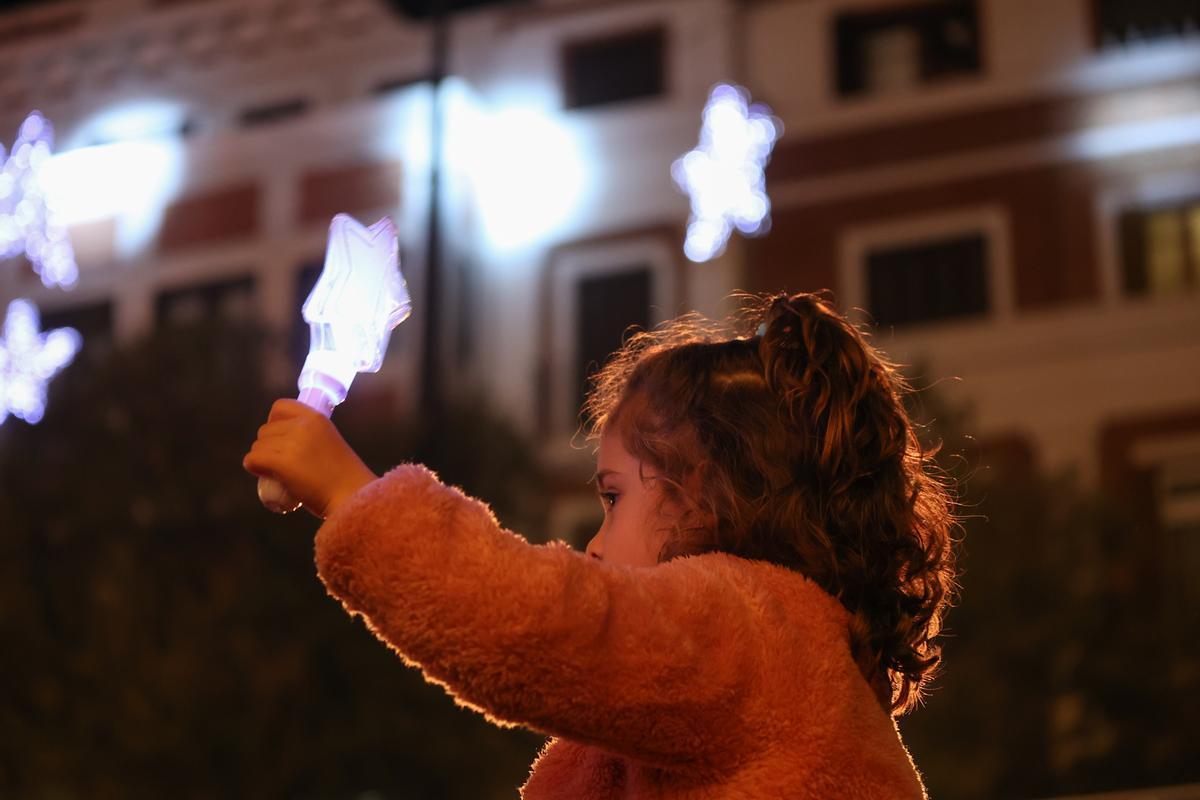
[279,428]
[285,408]
[263,459]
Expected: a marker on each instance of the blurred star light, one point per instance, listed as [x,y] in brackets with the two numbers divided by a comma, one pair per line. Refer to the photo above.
[723,176]
[26,222]
[28,359]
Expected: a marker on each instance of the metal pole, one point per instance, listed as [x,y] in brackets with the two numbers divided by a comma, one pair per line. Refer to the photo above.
[431,365]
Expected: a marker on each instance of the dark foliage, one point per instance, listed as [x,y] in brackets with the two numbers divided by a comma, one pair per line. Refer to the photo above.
[165,636]
[1063,673]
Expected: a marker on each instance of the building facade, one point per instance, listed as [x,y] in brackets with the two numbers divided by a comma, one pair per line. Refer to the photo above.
[1009,190]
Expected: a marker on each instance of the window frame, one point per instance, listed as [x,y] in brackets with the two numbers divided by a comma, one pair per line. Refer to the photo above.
[1100,44]
[1146,192]
[568,266]
[659,27]
[991,221]
[244,277]
[1156,454]
[864,10]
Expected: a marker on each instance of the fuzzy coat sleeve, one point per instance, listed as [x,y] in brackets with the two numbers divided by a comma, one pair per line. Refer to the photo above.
[652,663]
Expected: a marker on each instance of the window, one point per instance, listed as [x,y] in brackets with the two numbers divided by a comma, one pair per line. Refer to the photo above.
[392,85]
[94,323]
[627,66]
[23,30]
[947,264]
[596,290]
[425,9]
[1120,22]
[608,304]
[930,281]
[298,337]
[1158,460]
[230,300]
[272,112]
[1179,509]
[1160,248]
[898,49]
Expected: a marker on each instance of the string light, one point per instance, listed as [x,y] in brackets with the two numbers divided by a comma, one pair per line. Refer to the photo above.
[26,224]
[723,176]
[28,359]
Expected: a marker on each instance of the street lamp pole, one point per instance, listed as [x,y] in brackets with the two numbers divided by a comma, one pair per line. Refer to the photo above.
[431,400]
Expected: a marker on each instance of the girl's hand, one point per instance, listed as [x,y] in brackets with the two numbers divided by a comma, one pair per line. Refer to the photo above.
[303,450]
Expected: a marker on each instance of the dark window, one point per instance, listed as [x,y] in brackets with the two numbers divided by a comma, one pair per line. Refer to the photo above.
[23,31]
[1178,510]
[608,305]
[616,68]
[899,48]
[390,85]
[427,9]
[1160,248]
[272,112]
[231,300]
[1121,22]
[306,279]
[94,323]
[928,281]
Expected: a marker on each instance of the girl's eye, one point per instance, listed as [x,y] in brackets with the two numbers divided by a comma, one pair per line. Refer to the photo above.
[609,498]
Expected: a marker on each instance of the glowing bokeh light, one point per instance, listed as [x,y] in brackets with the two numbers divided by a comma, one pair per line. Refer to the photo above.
[526,168]
[131,182]
[124,163]
[28,359]
[135,120]
[28,223]
[723,176]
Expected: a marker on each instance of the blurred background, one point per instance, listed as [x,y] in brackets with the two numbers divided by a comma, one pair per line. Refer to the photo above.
[1006,191]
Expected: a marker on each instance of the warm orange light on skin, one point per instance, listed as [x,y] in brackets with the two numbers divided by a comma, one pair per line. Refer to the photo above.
[632,533]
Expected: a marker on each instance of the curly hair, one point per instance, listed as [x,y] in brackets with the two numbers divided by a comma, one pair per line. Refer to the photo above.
[789,442]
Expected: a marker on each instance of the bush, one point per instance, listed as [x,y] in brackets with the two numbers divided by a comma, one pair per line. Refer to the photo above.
[166,636]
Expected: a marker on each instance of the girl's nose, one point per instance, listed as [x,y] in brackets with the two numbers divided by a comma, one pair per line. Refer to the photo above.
[593,548]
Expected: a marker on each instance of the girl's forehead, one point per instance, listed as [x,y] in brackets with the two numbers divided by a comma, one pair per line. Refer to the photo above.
[612,453]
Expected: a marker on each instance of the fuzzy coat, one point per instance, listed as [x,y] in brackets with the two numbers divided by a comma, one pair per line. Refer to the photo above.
[705,677]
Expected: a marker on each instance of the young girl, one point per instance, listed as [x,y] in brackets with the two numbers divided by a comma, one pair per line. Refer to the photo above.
[757,606]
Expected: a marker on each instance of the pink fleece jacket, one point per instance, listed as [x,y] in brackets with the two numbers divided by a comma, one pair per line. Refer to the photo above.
[705,677]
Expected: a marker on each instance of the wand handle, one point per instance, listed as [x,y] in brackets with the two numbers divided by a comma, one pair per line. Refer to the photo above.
[273,494]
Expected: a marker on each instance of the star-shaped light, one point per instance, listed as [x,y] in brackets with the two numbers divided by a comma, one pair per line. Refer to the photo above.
[723,176]
[359,299]
[28,359]
[26,224]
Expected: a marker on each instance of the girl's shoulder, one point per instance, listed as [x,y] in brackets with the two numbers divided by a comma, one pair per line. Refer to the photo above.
[780,594]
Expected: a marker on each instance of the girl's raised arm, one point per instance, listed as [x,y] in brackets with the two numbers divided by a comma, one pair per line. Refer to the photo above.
[656,663]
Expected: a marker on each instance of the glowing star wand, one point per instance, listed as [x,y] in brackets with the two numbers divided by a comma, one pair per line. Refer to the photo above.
[358,300]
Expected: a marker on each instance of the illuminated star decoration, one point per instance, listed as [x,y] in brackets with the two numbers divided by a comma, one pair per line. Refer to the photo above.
[723,176]
[28,359]
[26,224]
